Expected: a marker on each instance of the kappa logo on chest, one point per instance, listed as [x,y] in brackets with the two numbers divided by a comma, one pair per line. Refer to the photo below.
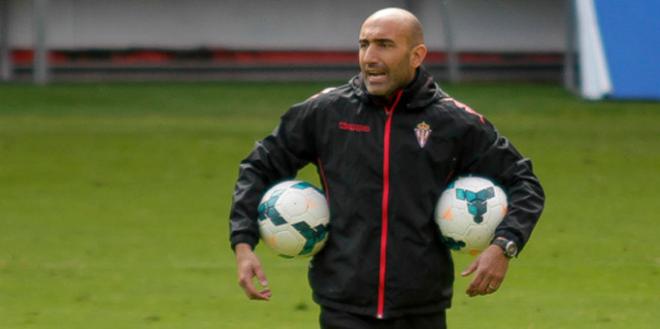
[354,127]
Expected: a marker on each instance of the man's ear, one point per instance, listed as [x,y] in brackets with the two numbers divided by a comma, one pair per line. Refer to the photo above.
[417,55]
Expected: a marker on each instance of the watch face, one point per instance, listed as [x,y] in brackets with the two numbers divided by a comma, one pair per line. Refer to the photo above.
[511,249]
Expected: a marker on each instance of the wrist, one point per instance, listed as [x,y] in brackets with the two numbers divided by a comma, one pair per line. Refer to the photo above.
[509,248]
[242,247]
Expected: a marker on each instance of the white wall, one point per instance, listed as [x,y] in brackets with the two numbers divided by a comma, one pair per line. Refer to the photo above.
[479,25]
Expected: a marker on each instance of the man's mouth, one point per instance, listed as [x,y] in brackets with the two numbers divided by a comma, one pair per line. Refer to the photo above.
[376,76]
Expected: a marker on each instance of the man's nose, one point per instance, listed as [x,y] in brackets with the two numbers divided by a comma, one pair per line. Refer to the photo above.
[369,55]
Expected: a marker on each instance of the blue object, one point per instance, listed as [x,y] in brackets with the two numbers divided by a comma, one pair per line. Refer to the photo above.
[630,32]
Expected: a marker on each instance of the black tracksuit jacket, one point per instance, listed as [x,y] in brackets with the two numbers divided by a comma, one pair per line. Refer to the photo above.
[384,256]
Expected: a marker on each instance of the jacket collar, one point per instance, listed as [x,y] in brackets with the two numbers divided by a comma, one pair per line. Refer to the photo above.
[417,94]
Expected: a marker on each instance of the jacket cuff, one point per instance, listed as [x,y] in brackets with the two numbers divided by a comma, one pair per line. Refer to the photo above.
[244,238]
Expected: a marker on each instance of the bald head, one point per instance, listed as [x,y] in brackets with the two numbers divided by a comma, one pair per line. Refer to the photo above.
[408,24]
[391,49]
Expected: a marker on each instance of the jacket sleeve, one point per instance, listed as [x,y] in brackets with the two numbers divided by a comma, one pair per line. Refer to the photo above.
[487,153]
[277,157]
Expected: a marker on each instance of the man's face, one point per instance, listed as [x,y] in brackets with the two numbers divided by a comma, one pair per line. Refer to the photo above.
[385,57]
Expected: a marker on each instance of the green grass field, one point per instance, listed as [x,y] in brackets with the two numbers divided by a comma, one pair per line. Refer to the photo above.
[114,201]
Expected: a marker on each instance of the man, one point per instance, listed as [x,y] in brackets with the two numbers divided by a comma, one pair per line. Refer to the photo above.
[385,146]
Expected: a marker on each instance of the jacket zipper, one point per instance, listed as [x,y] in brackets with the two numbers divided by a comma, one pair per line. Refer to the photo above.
[385,206]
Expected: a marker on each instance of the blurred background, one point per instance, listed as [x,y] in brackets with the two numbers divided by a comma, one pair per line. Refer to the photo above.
[296,39]
[536,40]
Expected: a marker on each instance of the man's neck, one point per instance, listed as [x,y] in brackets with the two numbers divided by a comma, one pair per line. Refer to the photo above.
[389,99]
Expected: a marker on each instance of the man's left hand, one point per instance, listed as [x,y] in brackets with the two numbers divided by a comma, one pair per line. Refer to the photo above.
[490,268]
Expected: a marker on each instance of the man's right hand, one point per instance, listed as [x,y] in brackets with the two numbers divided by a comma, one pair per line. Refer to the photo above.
[248,266]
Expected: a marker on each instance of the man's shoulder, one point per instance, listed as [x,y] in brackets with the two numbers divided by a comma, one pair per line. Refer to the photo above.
[459,111]
[327,98]
[322,101]
[330,94]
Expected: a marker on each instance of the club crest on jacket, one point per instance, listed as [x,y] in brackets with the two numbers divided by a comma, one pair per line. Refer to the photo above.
[422,132]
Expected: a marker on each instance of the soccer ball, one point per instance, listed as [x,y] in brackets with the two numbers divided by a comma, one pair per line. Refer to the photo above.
[468,212]
[293,219]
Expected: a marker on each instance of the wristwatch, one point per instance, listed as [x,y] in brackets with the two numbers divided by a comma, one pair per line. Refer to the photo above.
[509,247]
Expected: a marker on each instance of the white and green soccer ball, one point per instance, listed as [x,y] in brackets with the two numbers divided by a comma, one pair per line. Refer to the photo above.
[293,219]
[468,212]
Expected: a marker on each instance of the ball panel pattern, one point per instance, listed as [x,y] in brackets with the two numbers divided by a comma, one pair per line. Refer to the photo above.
[293,219]
[468,212]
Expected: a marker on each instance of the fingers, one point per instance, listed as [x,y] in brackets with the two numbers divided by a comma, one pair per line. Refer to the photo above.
[484,283]
[477,283]
[491,267]
[488,285]
[474,288]
[261,276]
[265,293]
[493,286]
[246,282]
[249,267]
[470,269]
